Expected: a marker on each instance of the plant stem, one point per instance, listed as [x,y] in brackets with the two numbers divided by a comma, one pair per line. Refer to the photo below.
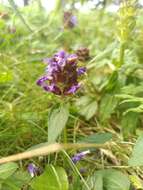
[48,149]
[65,135]
[122,54]
[63,102]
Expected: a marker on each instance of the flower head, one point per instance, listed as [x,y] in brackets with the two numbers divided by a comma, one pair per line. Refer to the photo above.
[62,74]
[83,54]
[79,156]
[70,20]
[32,169]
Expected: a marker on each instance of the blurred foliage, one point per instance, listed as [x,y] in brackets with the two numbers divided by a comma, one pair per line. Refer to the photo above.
[111,99]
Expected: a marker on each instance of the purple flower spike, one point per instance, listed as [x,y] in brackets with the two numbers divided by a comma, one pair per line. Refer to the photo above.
[62,74]
[81,70]
[79,156]
[32,169]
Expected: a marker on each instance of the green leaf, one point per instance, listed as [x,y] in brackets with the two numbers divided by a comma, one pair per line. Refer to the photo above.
[6,170]
[40,145]
[109,179]
[113,81]
[129,123]
[5,77]
[136,182]
[53,178]
[115,180]
[98,138]
[132,89]
[9,186]
[87,107]
[16,181]
[137,155]
[90,110]
[107,106]
[76,183]
[63,178]
[138,109]
[57,121]
[95,181]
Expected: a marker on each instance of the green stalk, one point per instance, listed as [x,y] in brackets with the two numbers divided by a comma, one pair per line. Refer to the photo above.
[65,135]
[122,54]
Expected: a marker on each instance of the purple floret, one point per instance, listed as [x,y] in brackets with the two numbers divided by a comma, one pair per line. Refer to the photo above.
[81,70]
[32,169]
[79,156]
[52,88]
[73,89]
[61,54]
[42,80]
[73,20]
